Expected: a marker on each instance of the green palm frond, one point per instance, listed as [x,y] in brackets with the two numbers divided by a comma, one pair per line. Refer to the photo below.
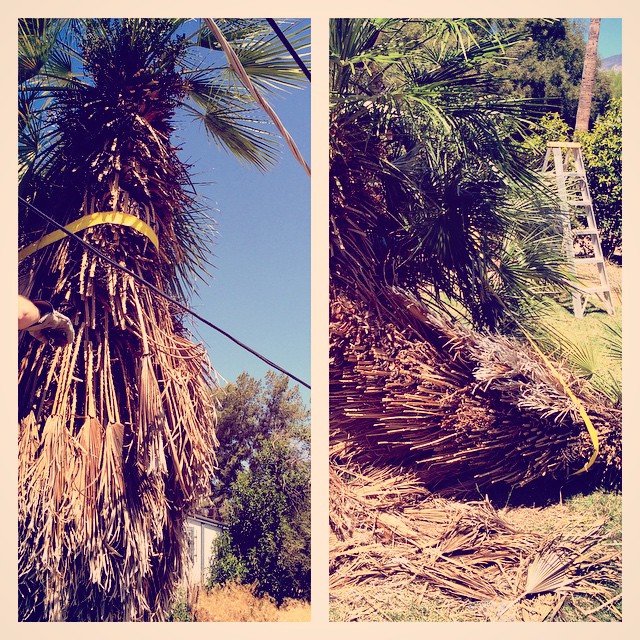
[269,64]
[230,119]
[609,385]
[613,340]
[580,356]
[239,132]
[234,30]
[37,39]
[59,66]
[262,55]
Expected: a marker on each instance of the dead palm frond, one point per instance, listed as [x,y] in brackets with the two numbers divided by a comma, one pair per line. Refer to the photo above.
[562,565]
[547,572]
[117,432]
[460,409]
[387,531]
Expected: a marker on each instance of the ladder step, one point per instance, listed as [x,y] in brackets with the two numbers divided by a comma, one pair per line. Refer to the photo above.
[573,174]
[562,143]
[593,231]
[579,203]
[601,289]
[589,260]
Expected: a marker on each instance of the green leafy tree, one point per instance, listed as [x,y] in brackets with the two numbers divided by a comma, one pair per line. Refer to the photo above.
[602,147]
[267,506]
[547,65]
[250,412]
[614,78]
[550,128]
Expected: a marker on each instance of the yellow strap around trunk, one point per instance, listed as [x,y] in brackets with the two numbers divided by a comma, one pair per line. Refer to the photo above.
[581,410]
[91,220]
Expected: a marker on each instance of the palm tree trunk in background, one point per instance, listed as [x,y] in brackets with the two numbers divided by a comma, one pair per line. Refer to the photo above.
[588,76]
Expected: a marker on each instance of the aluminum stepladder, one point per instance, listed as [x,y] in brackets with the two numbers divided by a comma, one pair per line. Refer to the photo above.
[580,231]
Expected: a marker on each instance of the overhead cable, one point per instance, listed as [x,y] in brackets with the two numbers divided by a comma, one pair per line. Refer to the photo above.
[290,49]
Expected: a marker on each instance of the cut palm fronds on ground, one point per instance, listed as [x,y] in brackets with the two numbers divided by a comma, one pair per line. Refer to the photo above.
[390,539]
[462,410]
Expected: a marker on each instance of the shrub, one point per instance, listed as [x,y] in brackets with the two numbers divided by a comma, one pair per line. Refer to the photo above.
[180,610]
[602,147]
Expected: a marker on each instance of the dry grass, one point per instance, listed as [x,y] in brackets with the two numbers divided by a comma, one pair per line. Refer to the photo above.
[238,603]
[295,611]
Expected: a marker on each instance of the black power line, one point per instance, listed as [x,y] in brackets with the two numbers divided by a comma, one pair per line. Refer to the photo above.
[159,292]
[290,49]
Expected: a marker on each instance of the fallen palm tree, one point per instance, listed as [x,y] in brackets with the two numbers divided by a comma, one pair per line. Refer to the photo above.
[416,214]
[430,200]
[460,409]
[389,536]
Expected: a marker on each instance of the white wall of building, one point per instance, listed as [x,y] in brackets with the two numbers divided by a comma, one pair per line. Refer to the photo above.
[201,533]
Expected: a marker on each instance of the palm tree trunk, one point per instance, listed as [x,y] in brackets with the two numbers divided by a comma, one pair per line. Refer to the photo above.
[588,77]
[117,429]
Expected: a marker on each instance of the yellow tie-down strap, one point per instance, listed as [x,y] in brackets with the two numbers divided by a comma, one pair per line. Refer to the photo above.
[581,410]
[91,220]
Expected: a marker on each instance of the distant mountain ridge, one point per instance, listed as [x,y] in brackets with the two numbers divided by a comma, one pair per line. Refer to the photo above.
[612,63]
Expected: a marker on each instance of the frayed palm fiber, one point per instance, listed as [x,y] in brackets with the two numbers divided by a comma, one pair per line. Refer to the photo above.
[117,430]
[389,535]
[457,408]
[116,451]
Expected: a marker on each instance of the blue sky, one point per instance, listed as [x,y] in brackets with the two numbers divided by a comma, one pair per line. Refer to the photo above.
[259,285]
[610,39]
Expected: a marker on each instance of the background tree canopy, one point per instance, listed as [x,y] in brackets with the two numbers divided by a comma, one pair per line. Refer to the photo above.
[547,66]
[262,491]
